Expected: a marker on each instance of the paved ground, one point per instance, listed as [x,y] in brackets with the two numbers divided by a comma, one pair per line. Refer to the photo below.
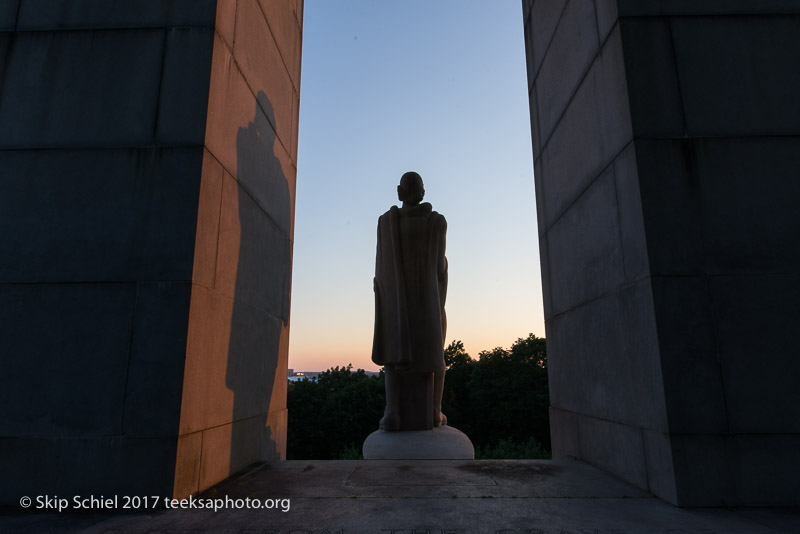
[430,497]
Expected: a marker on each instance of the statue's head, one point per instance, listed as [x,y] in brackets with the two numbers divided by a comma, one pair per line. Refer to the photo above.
[411,189]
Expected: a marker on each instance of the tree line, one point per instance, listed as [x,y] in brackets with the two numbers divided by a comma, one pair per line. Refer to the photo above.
[499,400]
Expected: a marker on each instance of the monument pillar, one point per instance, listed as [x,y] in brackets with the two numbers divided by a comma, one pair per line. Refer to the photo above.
[666,138]
[148,151]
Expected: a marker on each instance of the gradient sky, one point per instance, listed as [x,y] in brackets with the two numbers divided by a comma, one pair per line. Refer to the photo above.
[438,87]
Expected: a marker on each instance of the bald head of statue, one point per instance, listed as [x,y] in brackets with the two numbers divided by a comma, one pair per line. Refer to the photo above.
[411,189]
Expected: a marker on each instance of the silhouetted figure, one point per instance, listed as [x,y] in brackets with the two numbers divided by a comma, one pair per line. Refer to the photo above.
[410,322]
[261,293]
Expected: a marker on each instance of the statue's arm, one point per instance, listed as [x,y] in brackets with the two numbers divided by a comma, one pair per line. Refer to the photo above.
[442,274]
[378,250]
[442,267]
[377,354]
[442,262]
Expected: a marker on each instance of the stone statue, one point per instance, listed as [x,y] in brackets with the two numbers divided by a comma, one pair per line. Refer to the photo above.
[410,324]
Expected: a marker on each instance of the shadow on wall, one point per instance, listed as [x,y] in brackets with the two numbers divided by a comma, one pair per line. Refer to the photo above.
[261,301]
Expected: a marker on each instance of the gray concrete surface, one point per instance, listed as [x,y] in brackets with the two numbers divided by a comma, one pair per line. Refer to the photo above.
[401,497]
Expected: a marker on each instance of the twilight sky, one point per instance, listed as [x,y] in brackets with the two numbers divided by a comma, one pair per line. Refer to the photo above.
[438,87]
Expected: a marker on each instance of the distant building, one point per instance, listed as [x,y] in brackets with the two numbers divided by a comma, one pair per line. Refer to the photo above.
[312,375]
[301,375]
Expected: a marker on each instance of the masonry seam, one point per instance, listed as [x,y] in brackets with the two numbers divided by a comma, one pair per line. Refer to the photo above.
[231,174]
[619,220]
[774,14]
[116,28]
[677,78]
[235,24]
[604,294]
[130,357]
[597,25]
[258,205]
[16,19]
[550,42]
[98,148]
[160,84]
[226,423]
[631,141]
[632,425]
[277,46]
[269,314]
[577,88]
[750,137]
[95,282]
[588,185]
[272,122]
[219,218]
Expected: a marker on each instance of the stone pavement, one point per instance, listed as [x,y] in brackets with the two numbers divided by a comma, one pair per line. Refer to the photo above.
[422,496]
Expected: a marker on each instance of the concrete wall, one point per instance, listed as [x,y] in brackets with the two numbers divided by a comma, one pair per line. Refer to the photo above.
[147,208]
[665,138]
[234,394]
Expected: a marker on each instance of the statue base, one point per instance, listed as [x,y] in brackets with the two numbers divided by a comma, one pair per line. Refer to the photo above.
[442,443]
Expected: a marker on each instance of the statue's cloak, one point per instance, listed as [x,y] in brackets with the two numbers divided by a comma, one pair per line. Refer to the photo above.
[410,289]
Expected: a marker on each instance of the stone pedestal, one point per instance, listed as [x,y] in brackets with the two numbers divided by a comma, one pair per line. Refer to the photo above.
[443,443]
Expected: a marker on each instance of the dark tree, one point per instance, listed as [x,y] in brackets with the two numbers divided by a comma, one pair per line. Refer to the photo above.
[500,401]
[456,397]
[511,386]
[334,414]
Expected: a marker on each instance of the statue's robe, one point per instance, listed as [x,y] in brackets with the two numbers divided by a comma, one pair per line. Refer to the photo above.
[410,289]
